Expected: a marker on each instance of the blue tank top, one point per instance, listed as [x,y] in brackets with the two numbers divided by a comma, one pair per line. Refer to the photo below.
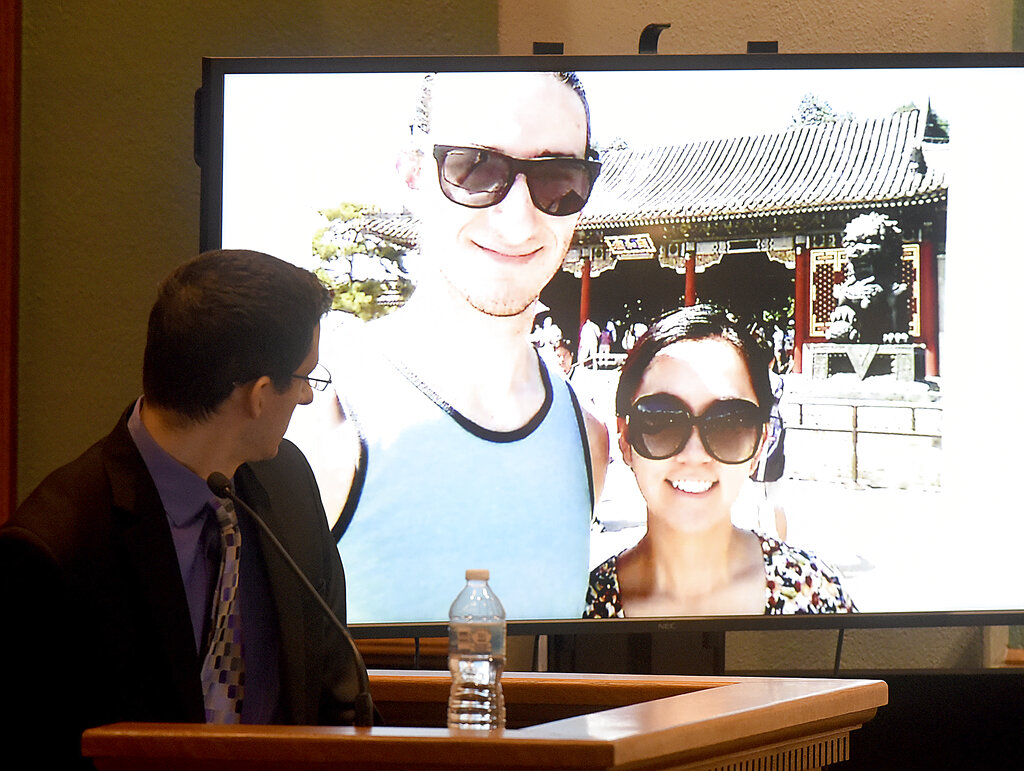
[435,494]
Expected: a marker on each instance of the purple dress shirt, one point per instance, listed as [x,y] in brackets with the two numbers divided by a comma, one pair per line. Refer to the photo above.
[189,506]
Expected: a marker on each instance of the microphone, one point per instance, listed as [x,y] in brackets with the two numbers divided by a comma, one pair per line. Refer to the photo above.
[221,487]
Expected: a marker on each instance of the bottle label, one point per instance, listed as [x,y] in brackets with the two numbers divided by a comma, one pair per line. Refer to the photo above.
[473,639]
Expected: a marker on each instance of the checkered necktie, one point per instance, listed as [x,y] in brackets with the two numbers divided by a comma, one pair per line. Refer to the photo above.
[223,667]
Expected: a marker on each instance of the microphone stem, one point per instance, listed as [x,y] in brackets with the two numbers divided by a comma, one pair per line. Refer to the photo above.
[363,701]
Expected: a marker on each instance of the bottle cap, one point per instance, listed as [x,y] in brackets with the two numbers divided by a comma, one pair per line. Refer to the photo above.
[478,575]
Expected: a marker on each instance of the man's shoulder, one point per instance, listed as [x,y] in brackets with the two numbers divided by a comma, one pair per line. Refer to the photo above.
[284,491]
[289,460]
[286,475]
[72,502]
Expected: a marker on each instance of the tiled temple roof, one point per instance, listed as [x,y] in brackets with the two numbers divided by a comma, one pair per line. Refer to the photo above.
[400,229]
[833,166]
[838,165]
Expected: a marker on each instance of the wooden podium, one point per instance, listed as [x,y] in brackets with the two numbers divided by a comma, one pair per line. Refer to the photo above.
[566,721]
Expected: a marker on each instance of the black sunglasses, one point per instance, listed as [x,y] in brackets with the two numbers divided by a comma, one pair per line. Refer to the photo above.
[477,178]
[658,426]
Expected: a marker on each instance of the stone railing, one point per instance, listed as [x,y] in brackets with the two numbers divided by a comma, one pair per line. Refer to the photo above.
[877,443]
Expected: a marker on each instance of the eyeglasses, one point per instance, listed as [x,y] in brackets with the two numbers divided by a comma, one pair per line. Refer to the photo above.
[478,178]
[658,426]
[319,378]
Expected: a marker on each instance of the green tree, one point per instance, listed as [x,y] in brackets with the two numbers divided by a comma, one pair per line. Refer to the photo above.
[813,111]
[615,144]
[366,275]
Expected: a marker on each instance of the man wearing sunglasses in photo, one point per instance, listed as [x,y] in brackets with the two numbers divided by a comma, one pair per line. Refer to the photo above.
[462,446]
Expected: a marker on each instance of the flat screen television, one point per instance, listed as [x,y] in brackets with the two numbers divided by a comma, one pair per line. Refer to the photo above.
[730,179]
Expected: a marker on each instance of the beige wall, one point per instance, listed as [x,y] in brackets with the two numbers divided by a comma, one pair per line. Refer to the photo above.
[591,27]
[110,195]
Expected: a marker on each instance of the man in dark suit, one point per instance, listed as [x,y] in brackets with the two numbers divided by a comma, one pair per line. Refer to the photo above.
[108,569]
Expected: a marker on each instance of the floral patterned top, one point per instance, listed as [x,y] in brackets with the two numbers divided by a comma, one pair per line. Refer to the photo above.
[795,582]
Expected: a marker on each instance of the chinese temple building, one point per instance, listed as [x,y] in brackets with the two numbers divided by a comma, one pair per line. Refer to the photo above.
[754,223]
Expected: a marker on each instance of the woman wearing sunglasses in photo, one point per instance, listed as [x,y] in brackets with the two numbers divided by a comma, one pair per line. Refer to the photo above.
[692,405]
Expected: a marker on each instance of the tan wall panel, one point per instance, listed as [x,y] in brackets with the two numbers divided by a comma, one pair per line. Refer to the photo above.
[589,27]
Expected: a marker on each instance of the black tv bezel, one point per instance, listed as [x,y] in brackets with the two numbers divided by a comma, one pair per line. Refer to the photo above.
[208,153]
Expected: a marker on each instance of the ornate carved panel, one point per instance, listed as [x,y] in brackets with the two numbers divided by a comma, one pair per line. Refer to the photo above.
[827,272]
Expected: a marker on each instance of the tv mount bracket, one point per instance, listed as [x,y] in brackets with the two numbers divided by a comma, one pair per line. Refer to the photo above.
[649,38]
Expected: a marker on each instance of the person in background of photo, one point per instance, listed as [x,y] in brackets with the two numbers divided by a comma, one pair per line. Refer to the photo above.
[633,333]
[778,344]
[771,465]
[563,352]
[590,335]
[607,338]
[546,338]
[692,405]
[453,443]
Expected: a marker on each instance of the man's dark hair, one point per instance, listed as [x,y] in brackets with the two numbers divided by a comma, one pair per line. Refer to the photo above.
[422,117]
[695,322]
[226,318]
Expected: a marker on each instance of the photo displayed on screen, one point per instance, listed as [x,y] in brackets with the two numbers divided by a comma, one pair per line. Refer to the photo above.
[794,262]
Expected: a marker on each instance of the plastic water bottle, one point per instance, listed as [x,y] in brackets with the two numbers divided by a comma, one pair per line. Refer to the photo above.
[476,656]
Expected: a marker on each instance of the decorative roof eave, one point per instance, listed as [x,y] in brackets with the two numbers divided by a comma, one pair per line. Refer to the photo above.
[402,230]
[637,220]
[398,229]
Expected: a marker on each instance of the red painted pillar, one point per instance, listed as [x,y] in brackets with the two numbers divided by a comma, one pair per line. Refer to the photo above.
[584,294]
[691,279]
[929,309]
[801,305]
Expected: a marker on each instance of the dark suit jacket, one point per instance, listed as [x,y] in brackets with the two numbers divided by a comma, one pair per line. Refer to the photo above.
[95,620]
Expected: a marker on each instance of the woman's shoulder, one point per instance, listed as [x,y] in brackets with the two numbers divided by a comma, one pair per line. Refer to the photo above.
[798,581]
[603,597]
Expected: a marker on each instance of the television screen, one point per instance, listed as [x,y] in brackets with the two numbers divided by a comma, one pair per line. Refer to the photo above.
[884,488]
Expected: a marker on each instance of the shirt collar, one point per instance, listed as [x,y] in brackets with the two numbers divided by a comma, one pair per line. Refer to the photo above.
[183,493]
